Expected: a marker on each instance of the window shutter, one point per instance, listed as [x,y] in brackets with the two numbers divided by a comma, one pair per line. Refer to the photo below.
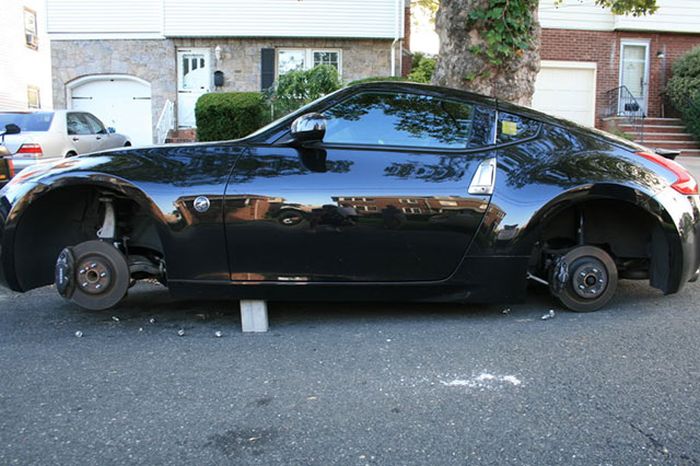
[267,68]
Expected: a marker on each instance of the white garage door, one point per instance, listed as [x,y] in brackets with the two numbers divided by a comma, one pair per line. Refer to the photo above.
[567,90]
[122,103]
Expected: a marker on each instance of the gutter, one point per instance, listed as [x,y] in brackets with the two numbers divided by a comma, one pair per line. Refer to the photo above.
[397,36]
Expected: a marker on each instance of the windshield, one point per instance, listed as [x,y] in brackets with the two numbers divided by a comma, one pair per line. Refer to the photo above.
[35,121]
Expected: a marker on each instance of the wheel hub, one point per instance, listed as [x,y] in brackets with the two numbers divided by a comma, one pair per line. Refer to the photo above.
[590,279]
[94,275]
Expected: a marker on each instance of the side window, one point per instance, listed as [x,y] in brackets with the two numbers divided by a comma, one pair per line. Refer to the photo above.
[77,125]
[514,128]
[402,119]
[95,124]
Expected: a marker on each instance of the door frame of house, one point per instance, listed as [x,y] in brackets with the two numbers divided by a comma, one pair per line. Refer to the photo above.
[179,79]
[646,43]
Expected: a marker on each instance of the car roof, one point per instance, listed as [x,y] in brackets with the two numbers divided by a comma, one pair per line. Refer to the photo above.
[448,92]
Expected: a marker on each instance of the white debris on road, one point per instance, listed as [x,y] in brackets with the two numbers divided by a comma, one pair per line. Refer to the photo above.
[549,315]
[484,381]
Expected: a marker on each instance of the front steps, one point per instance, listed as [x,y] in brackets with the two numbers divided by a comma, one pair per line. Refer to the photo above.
[179,136]
[661,133]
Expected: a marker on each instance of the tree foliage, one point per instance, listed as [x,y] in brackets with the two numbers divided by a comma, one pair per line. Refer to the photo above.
[299,87]
[506,26]
[422,68]
[684,89]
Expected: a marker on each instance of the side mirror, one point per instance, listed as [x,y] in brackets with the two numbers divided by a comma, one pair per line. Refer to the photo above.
[309,128]
[111,130]
[12,129]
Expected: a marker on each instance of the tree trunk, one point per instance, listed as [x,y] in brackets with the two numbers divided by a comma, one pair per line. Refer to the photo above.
[459,68]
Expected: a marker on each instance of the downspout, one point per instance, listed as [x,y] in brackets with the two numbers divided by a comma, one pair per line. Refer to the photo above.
[397,36]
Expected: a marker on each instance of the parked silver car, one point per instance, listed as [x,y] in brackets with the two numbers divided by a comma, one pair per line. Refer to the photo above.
[46,135]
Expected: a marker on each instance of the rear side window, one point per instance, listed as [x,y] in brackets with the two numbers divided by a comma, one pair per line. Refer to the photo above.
[409,120]
[36,121]
[515,128]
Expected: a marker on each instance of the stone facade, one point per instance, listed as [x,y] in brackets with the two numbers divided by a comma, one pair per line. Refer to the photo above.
[151,60]
[240,58]
[154,61]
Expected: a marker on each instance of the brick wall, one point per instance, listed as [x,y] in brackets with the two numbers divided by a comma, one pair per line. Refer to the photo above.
[603,47]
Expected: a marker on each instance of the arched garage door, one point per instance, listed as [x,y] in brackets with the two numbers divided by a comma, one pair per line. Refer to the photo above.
[123,103]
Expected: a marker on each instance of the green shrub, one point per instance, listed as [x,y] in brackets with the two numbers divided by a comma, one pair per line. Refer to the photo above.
[297,88]
[684,89]
[422,68]
[230,115]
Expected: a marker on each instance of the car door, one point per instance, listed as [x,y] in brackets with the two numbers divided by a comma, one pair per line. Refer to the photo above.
[384,197]
[81,133]
[103,141]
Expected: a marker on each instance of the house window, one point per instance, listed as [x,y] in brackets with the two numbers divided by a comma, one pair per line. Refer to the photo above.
[290,60]
[305,59]
[33,97]
[327,57]
[31,34]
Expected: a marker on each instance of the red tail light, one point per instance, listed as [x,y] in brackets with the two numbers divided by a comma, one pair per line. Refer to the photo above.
[31,149]
[685,183]
[11,167]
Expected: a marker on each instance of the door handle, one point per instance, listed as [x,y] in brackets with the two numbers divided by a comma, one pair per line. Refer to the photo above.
[76,139]
[99,137]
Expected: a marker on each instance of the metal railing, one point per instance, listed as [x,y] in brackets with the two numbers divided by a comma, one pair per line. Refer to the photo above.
[621,103]
[166,122]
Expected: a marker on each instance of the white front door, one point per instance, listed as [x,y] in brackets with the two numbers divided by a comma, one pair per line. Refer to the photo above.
[194,78]
[634,75]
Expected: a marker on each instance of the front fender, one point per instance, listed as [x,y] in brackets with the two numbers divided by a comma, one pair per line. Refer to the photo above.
[12,213]
[163,181]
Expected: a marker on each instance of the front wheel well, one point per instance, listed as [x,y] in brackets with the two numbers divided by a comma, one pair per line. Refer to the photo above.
[632,236]
[71,215]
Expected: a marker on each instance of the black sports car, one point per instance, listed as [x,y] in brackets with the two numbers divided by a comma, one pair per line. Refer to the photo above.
[380,191]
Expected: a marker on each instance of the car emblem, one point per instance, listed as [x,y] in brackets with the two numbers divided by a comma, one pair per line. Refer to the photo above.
[202,204]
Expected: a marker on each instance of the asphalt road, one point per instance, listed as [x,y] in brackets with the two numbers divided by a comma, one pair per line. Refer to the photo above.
[335,383]
[350,383]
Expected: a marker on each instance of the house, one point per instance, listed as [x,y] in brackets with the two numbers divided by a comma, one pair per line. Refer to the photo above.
[598,67]
[25,57]
[141,65]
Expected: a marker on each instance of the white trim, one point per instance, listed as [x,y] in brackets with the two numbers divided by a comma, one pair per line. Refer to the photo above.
[57,36]
[591,65]
[647,65]
[308,57]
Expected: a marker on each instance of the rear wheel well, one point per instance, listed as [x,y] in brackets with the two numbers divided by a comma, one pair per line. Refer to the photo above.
[631,235]
[71,215]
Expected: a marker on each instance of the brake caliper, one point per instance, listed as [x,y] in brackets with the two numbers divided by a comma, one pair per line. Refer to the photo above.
[560,275]
[65,273]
